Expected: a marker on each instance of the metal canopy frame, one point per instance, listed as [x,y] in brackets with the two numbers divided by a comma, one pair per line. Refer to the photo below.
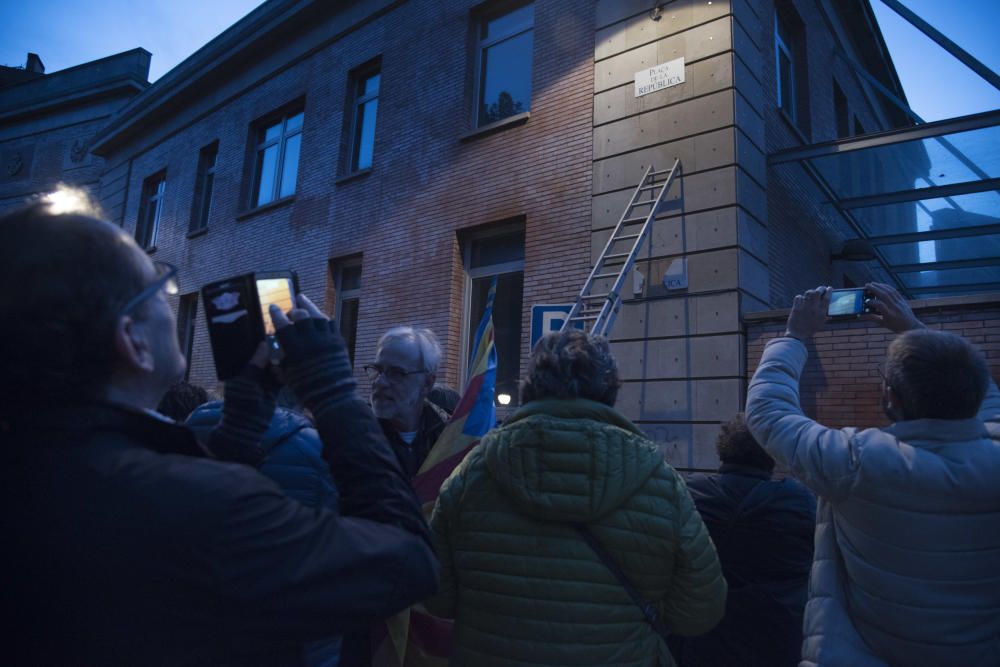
[905,213]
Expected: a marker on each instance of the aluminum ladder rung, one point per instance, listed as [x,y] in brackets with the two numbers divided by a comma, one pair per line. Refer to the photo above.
[617,255]
[582,318]
[626,237]
[631,220]
[602,276]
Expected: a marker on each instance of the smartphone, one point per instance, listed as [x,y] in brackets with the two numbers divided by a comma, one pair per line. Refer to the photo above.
[847,302]
[236,310]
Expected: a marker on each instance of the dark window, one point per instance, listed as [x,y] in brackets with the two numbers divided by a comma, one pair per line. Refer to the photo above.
[503,72]
[203,187]
[364,110]
[150,209]
[187,311]
[502,255]
[276,162]
[348,286]
[790,65]
[841,112]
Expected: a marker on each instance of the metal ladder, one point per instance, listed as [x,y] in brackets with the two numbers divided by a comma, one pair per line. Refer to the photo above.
[600,310]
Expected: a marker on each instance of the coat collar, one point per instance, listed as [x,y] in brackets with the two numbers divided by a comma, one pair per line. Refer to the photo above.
[72,423]
[574,408]
[745,471]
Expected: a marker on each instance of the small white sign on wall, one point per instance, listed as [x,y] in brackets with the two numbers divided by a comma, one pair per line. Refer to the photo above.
[657,78]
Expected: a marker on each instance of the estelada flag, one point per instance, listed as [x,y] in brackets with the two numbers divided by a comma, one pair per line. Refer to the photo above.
[414,638]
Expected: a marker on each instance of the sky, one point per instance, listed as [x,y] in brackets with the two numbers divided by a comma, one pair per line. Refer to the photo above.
[70,32]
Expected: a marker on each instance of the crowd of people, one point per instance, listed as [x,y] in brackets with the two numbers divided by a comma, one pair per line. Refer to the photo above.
[151,523]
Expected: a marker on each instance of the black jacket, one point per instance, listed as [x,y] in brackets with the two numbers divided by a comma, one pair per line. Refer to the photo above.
[127,545]
[411,456]
[763,533]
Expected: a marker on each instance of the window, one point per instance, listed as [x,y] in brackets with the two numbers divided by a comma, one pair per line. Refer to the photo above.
[790,65]
[365,88]
[203,187]
[347,284]
[500,253]
[503,68]
[187,311]
[150,208]
[276,163]
[843,116]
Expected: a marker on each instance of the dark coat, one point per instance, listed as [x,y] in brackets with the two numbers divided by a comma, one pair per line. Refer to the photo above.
[127,545]
[293,454]
[763,532]
[411,455]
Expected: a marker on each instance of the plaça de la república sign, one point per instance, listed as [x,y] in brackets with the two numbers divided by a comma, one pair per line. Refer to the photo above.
[656,78]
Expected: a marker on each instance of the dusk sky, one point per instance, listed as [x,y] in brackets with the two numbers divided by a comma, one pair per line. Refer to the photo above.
[69,32]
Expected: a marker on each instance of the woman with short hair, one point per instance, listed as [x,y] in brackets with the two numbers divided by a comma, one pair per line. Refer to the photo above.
[518,576]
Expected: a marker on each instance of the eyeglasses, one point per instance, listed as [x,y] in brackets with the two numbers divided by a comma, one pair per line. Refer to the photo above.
[166,279]
[390,373]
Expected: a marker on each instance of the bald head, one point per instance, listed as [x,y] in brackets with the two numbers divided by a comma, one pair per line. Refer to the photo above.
[64,278]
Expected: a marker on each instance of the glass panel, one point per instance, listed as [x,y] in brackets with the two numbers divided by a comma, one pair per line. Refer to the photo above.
[294,123]
[267,166]
[370,85]
[506,325]
[290,166]
[951,277]
[519,19]
[271,132]
[206,200]
[972,210]
[505,84]
[364,139]
[787,83]
[499,249]
[349,324]
[350,278]
[944,250]
[955,158]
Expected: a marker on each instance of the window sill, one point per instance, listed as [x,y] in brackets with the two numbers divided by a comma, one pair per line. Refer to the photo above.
[353,175]
[510,121]
[270,206]
[198,232]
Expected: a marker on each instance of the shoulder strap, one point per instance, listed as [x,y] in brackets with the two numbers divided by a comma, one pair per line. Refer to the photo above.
[648,608]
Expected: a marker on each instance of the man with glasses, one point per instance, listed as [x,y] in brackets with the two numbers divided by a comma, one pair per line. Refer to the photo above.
[402,377]
[907,552]
[125,542]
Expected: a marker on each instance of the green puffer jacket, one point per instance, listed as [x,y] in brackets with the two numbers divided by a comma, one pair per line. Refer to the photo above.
[524,588]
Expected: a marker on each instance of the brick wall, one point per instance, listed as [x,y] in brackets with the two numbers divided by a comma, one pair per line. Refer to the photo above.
[426,184]
[841,385]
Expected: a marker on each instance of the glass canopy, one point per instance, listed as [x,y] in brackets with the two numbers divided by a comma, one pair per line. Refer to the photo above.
[926,197]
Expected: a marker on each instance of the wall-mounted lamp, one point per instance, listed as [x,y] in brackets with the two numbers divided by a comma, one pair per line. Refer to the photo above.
[656,13]
[855,250]
[503,399]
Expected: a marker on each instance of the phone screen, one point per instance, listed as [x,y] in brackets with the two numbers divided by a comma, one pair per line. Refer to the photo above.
[277,291]
[846,302]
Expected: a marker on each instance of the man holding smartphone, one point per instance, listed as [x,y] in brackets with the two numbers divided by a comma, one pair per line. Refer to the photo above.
[126,543]
[907,561]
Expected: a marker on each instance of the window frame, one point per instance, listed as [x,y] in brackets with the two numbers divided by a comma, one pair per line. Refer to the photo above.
[481,44]
[187,322]
[467,239]
[154,199]
[200,213]
[783,45]
[259,144]
[358,76]
[341,295]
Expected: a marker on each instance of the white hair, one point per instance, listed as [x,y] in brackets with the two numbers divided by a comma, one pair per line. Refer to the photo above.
[424,339]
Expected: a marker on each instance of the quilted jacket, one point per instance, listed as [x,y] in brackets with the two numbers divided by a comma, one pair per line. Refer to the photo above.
[907,564]
[519,581]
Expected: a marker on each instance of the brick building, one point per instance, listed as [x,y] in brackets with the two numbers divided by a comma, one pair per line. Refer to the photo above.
[47,121]
[399,153]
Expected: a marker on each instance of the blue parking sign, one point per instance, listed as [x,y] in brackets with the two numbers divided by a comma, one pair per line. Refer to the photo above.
[549,317]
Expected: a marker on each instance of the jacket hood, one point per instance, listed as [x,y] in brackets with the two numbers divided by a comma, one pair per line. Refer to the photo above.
[569,460]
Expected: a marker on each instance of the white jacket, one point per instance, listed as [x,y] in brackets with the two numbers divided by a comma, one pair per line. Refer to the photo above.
[907,564]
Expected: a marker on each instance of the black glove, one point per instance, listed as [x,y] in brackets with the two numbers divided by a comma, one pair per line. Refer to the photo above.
[246,415]
[316,364]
